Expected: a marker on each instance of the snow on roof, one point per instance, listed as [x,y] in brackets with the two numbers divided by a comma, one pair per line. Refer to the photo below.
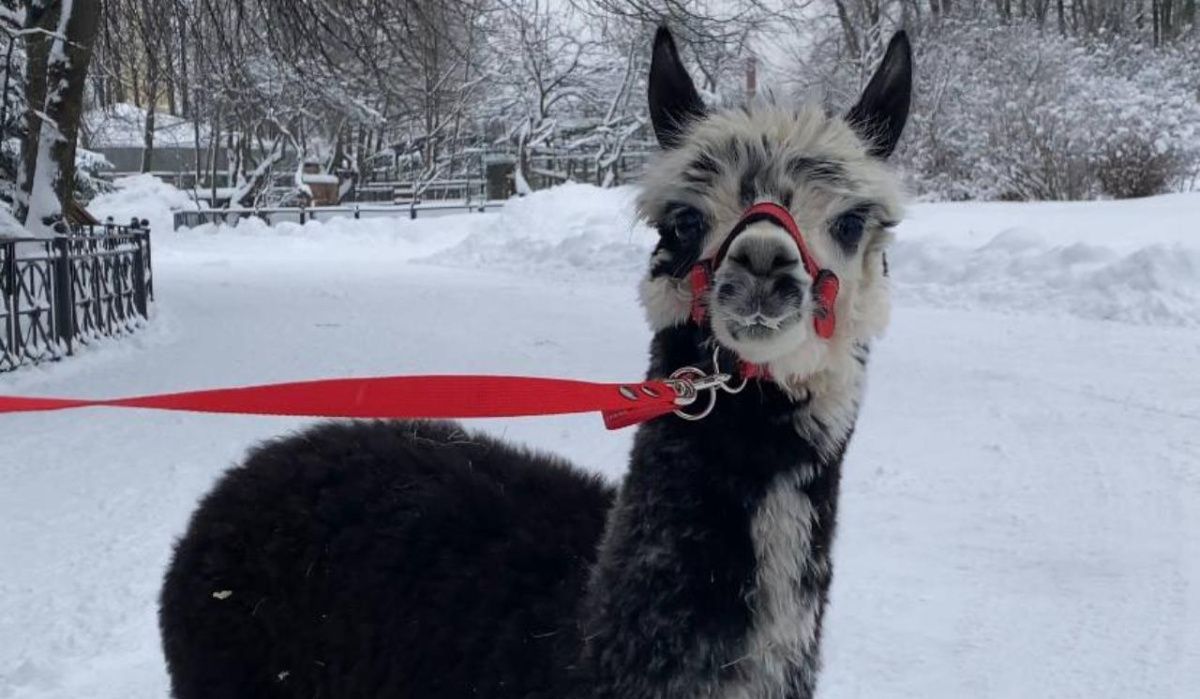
[122,125]
[319,178]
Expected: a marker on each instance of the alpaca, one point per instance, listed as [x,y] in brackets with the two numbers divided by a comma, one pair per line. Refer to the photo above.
[416,559]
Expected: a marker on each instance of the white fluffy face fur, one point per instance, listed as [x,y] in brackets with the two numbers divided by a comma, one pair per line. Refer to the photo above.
[818,168]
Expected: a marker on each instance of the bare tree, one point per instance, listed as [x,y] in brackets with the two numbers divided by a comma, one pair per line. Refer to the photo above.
[59,36]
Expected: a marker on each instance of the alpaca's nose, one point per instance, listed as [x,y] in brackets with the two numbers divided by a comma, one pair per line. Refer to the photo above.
[761,279]
[765,251]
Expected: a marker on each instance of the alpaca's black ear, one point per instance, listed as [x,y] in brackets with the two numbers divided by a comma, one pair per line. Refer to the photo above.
[882,110]
[674,102]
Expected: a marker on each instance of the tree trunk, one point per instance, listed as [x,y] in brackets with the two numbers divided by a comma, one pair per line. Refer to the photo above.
[172,108]
[12,43]
[48,154]
[1154,21]
[135,80]
[184,84]
[214,143]
[339,150]
[37,53]
[151,108]
[197,152]
[361,145]
[848,30]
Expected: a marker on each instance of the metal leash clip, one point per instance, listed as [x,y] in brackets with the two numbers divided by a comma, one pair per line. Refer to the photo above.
[689,381]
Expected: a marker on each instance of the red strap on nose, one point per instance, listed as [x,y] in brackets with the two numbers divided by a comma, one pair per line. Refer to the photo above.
[770,211]
[825,283]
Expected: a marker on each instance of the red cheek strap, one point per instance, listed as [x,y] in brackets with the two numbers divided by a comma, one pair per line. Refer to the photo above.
[700,279]
[825,291]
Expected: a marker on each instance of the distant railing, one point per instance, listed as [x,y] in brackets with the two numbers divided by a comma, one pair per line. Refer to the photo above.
[405,192]
[542,166]
[59,293]
[189,218]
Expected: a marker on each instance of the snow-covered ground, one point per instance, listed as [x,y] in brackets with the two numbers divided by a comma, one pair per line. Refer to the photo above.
[1021,504]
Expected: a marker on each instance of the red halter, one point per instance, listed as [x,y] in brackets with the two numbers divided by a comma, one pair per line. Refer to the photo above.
[825,282]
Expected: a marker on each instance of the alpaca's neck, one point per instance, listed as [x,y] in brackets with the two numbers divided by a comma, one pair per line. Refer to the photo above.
[712,576]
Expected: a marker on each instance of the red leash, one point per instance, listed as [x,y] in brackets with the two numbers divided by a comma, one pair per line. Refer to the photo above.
[621,405]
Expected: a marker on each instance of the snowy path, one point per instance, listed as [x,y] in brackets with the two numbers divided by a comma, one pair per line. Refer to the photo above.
[1021,501]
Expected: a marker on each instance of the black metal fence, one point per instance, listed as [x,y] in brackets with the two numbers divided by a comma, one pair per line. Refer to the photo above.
[59,293]
[188,218]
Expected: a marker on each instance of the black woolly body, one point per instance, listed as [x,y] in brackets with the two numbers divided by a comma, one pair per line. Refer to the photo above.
[414,559]
[398,559]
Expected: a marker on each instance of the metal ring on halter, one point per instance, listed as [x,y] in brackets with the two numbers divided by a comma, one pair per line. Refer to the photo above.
[724,386]
[712,403]
[688,381]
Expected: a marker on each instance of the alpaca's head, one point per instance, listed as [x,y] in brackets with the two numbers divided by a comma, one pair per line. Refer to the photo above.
[828,171]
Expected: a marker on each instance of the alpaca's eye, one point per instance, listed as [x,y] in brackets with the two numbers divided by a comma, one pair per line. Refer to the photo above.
[847,229]
[687,223]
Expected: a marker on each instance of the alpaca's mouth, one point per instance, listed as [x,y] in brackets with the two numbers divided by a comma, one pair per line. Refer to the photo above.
[760,327]
[760,338]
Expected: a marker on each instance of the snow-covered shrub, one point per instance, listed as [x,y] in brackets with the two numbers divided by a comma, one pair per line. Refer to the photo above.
[1154,142]
[88,168]
[1016,112]
[1138,167]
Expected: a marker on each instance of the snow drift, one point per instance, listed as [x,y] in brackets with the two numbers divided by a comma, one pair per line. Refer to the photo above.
[1135,261]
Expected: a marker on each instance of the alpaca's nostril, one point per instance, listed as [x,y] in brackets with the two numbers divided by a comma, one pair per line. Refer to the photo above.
[782,264]
[769,264]
[742,260]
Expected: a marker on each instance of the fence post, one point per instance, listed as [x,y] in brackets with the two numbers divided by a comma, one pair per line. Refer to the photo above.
[64,294]
[140,255]
[116,302]
[148,271]
[102,324]
[8,277]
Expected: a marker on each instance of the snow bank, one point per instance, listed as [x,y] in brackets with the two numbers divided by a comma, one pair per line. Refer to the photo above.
[568,230]
[1134,261]
[143,197]
[379,239]
[1157,284]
